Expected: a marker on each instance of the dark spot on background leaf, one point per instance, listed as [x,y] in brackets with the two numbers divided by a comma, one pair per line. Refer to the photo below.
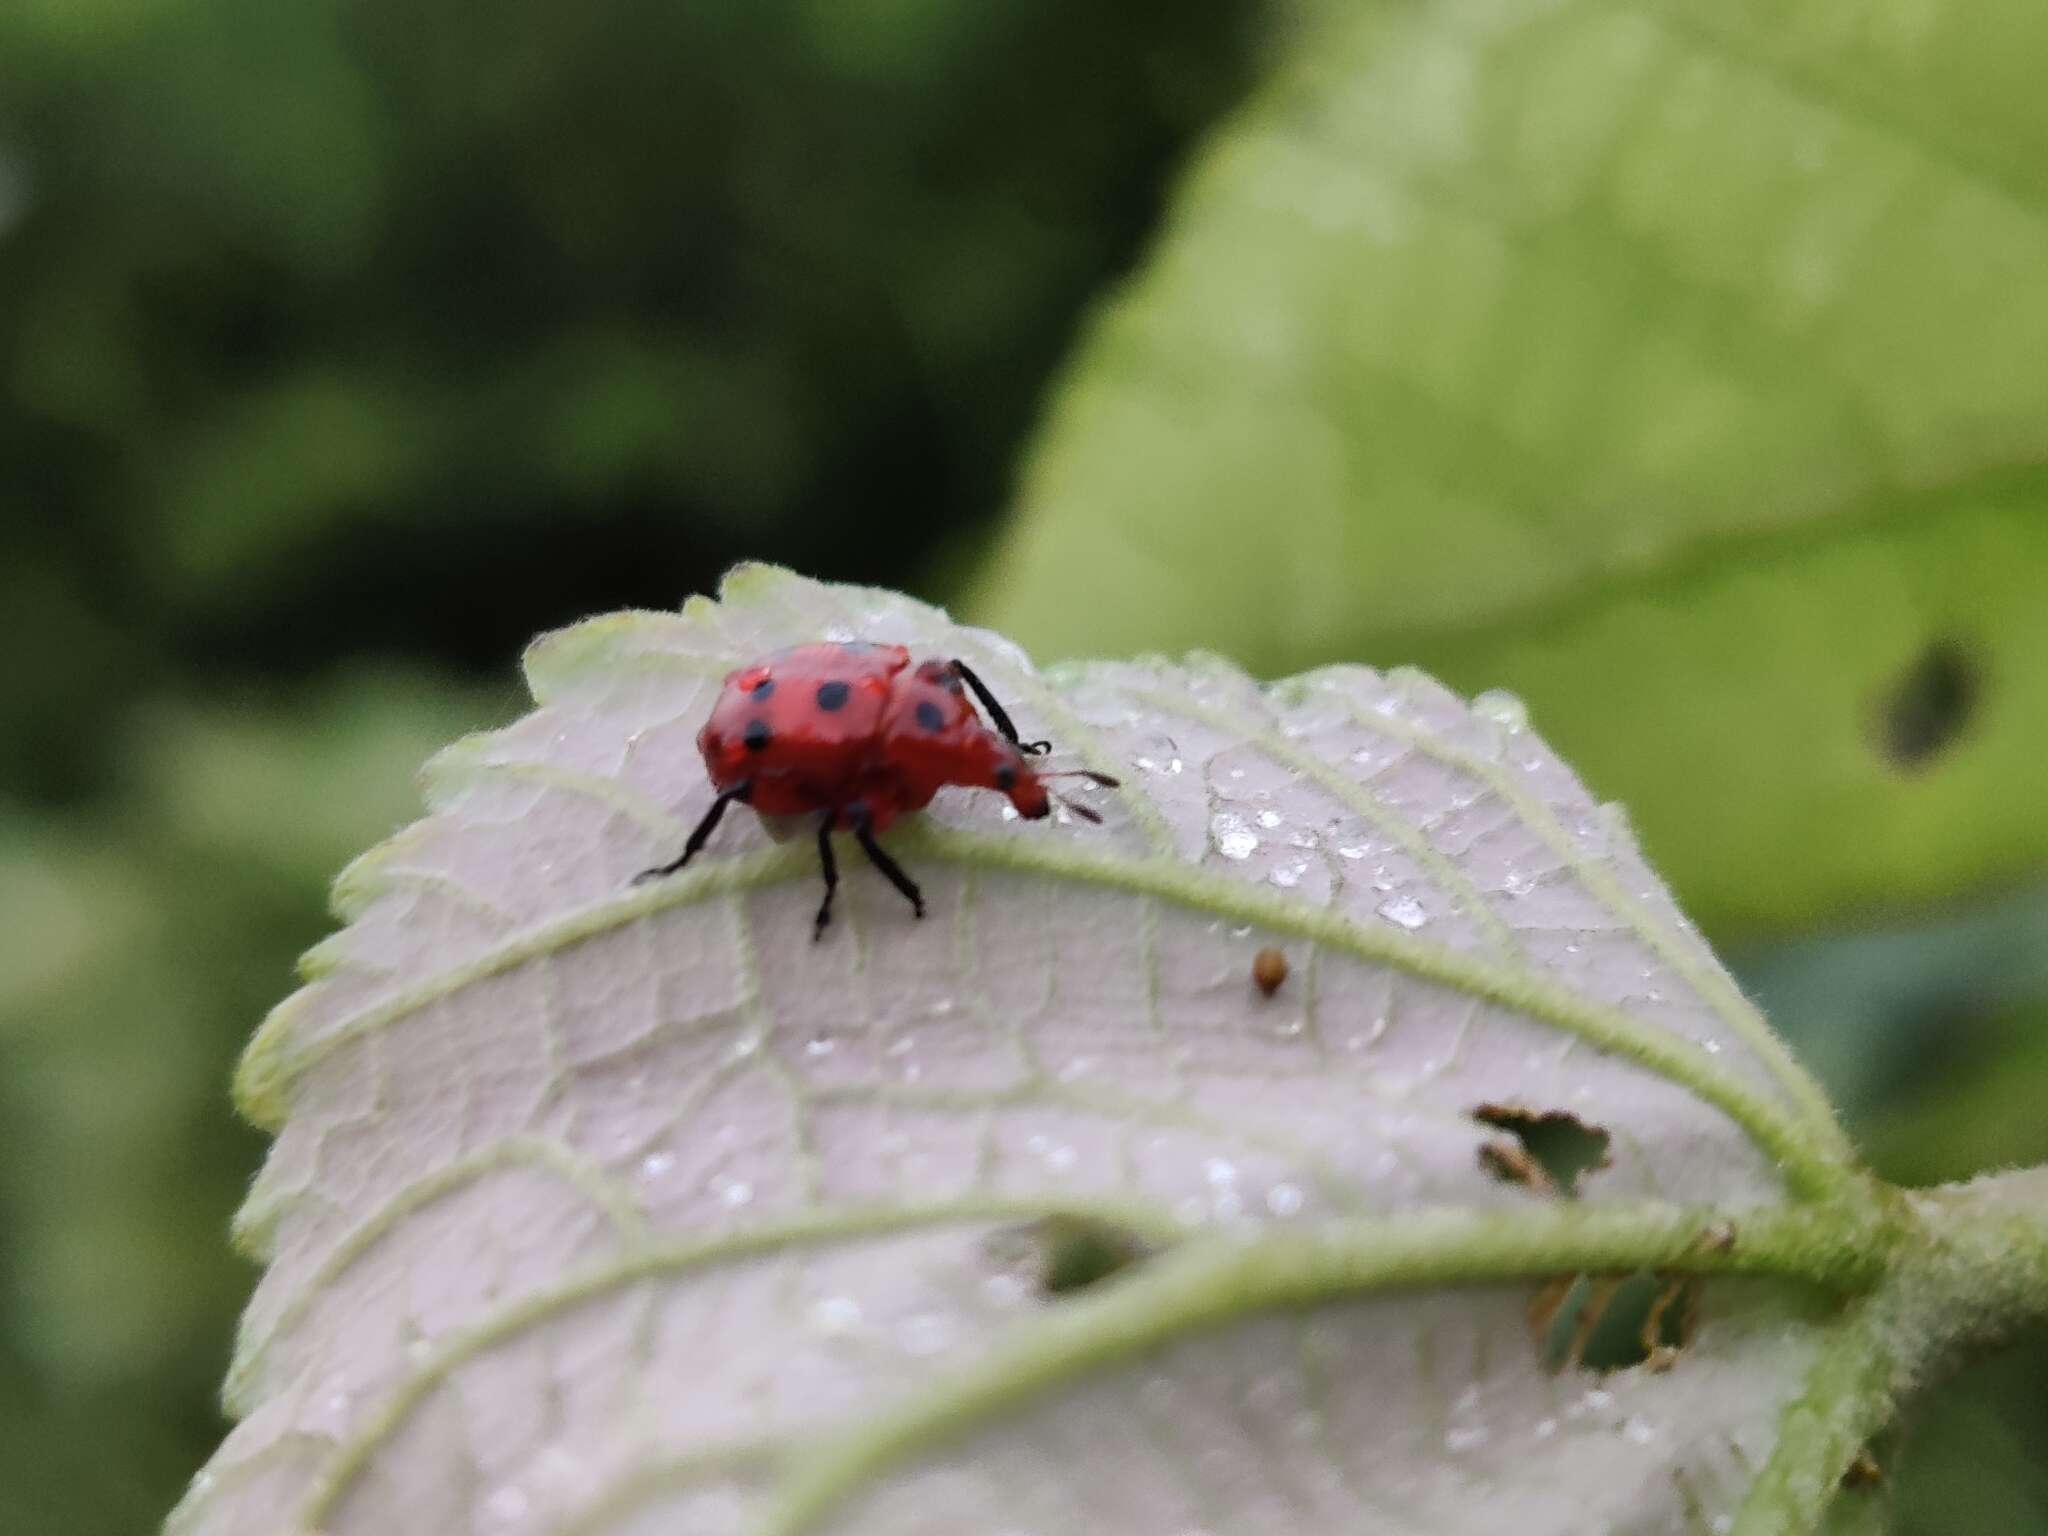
[1928,705]
[1551,1149]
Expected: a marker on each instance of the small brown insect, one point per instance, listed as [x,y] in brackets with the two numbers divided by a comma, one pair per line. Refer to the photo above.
[1269,969]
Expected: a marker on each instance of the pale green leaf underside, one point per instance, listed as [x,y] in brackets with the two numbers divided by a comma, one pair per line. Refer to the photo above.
[605,1208]
[1679,364]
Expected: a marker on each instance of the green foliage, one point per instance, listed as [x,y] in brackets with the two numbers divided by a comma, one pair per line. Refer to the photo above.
[135,943]
[304,304]
[1682,367]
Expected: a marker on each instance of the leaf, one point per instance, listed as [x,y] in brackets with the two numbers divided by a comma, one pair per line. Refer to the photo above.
[604,1207]
[1680,365]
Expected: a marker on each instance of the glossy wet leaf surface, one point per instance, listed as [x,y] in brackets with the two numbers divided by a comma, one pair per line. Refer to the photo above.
[608,1208]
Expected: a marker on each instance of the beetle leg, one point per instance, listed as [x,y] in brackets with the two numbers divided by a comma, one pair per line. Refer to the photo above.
[997,713]
[701,833]
[831,869]
[864,834]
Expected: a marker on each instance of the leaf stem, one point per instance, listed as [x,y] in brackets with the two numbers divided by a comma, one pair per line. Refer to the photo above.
[1966,1264]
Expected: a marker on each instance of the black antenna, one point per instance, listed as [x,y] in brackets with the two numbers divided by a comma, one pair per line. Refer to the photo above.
[996,713]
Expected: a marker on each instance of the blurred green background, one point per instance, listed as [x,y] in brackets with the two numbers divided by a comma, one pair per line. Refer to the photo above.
[1683,367]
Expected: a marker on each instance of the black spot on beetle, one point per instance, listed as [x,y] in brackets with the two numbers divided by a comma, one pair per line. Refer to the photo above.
[832,695]
[756,735]
[1006,776]
[763,688]
[930,716]
[1924,709]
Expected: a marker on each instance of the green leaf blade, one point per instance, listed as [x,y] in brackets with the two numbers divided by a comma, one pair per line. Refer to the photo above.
[1486,328]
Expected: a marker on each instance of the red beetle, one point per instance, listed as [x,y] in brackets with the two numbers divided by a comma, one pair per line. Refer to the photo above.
[854,731]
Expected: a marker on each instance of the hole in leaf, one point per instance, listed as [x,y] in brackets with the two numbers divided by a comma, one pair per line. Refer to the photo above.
[1551,1149]
[1612,1322]
[1929,704]
[1060,1255]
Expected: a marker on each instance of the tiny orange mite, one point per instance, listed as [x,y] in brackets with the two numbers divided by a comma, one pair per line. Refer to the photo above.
[1269,969]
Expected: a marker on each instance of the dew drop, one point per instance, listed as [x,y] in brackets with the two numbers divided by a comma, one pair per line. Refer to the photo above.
[655,1164]
[733,1193]
[1219,1172]
[1284,1199]
[1501,707]
[824,1045]
[1637,1431]
[1059,1157]
[506,1506]
[1595,1399]
[746,1044]
[1269,819]
[1005,1290]
[1234,840]
[1287,876]
[1544,1428]
[1518,882]
[925,1334]
[1405,910]
[1353,851]
[834,1315]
